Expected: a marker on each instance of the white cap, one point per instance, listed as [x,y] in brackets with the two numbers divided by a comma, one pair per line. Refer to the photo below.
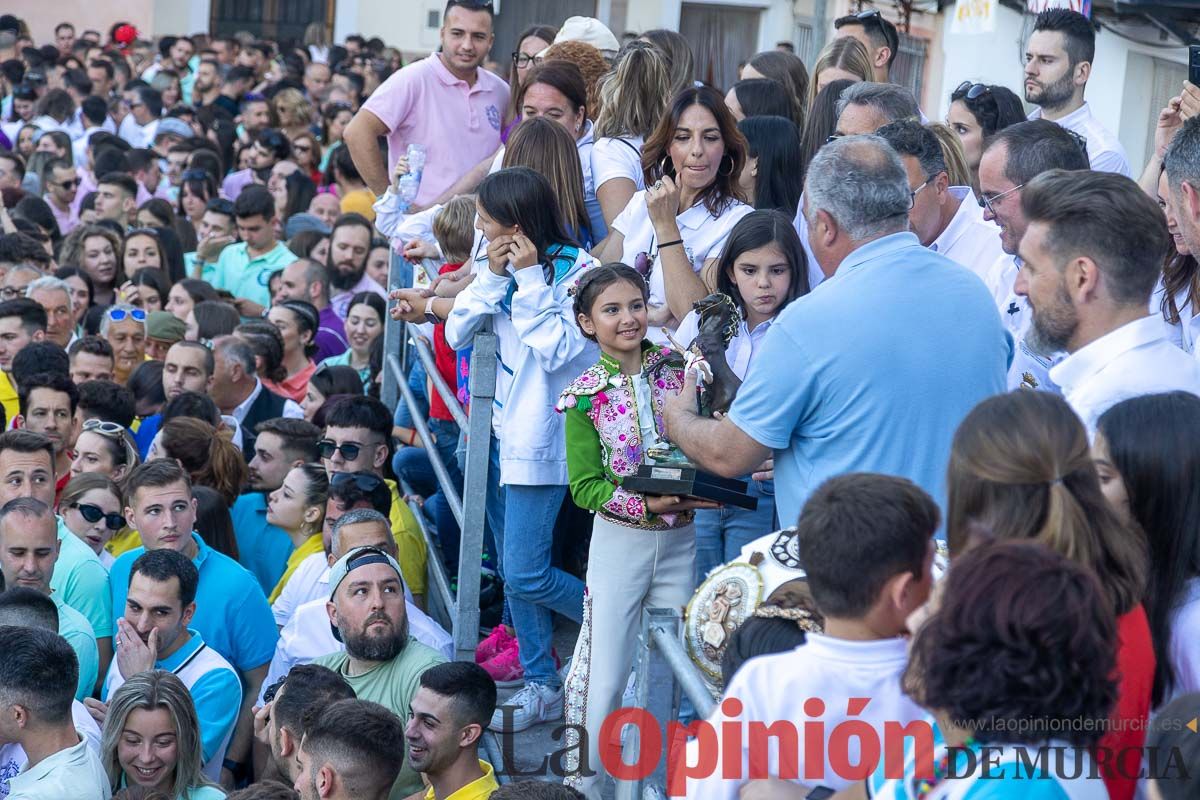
[589,30]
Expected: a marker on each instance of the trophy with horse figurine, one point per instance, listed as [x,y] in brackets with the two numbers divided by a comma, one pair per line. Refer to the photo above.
[667,471]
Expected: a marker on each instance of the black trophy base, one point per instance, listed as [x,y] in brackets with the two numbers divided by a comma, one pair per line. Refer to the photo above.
[685,480]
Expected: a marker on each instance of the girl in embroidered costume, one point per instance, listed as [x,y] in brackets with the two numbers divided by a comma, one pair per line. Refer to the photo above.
[763,268]
[643,547]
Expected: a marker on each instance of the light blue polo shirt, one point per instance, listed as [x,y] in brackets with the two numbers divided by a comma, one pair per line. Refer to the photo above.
[231,609]
[873,371]
[216,693]
[75,628]
[262,548]
[343,360]
[250,277]
[82,582]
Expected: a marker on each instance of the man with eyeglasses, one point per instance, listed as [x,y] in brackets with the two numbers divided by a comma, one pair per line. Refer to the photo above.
[945,218]
[19,278]
[232,615]
[877,34]
[450,91]
[81,581]
[144,105]
[61,184]
[1014,157]
[1058,63]
[29,551]
[124,327]
[358,432]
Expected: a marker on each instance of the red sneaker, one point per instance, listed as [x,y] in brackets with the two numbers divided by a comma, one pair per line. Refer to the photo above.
[496,641]
[505,667]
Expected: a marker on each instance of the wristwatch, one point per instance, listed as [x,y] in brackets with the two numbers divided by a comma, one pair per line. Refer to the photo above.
[430,316]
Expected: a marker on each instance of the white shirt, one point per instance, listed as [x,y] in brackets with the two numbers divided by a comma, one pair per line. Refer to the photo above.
[138,135]
[703,237]
[1133,360]
[969,239]
[617,158]
[13,758]
[1185,333]
[308,636]
[71,773]
[304,586]
[1028,368]
[1104,149]
[291,409]
[815,275]
[1185,648]
[773,688]
[741,348]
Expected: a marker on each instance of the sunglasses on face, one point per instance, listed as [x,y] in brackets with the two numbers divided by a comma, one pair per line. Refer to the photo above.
[118,314]
[93,514]
[364,481]
[350,450]
[68,184]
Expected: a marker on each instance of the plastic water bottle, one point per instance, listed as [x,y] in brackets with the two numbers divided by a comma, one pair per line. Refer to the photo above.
[416,159]
[407,190]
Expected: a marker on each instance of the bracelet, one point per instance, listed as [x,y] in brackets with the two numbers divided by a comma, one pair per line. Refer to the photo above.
[669,244]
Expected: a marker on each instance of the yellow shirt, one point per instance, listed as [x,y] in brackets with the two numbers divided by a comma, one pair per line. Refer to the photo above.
[123,542]
[312,545]
[8,398]
[409,541]
[360,201]
[479,789]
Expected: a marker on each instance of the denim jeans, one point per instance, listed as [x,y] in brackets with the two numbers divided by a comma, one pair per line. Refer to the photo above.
[413,465]
[416,382]
[722,533]
[534,589]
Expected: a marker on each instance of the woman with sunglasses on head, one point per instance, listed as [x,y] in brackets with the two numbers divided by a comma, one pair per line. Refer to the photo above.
[297,322]
[977,112]
[673,231]
[105,448]
[298,508]
[364,324]
[90,506]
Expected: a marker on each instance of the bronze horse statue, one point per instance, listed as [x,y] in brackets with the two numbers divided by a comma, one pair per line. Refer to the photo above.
[718,324]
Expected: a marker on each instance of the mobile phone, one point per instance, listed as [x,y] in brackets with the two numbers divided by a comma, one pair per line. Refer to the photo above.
[819,793]
[1194,64]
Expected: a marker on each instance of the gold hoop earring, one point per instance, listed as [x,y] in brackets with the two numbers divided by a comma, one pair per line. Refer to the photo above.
[666,162]
[731,166]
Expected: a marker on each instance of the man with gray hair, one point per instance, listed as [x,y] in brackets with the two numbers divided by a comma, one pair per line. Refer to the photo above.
[874,372]
[307,635]
[1182,165]
[867,107]
[124,326]
[54,295]
[945,218]
[238,392]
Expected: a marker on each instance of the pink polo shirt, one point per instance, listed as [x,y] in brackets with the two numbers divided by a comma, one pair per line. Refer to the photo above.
[458,124]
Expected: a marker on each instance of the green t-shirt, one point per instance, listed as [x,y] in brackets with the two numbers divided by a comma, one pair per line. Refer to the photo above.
[75,628]
[392,685]
[248,277]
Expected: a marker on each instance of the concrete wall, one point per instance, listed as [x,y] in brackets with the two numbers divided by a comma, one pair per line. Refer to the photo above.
[43,16]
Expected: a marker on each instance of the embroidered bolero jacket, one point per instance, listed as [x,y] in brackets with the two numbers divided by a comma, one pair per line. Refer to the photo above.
[604,440]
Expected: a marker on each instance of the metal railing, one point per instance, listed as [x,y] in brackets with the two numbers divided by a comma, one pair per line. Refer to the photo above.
[663,672]
[457,611]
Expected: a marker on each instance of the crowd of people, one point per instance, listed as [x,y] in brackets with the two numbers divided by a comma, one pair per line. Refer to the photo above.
[964,361]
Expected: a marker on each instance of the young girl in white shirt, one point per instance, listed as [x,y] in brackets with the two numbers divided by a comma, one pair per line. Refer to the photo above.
[762,268]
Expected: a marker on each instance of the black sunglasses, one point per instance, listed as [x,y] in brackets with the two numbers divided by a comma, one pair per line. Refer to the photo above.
[364,481]
[93,514]
[350,451]
[973,90]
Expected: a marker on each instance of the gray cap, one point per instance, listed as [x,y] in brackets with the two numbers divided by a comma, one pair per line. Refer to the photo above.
[174,127]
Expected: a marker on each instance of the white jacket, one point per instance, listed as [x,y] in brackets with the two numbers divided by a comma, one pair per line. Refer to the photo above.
[541,351]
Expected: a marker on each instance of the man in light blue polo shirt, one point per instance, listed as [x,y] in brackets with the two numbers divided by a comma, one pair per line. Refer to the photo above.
[79,580]
[28,551]
[232,614]
[153,633]
[874,370]
[245,268]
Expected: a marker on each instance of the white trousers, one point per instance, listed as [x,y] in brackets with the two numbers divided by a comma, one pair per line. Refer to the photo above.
[628,570]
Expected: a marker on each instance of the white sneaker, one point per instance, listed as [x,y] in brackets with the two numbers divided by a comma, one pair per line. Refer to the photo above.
[533,704]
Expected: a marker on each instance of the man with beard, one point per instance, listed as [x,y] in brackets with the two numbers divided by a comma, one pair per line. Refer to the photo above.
[153,633]
[207,86]
[281,444]
[382,663]
[1014,157]
[1058,63]
[1092,256]
[449,714]
[349,246]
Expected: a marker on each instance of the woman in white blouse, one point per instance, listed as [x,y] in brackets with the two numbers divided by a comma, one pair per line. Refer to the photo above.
[633,98]
[676,227]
